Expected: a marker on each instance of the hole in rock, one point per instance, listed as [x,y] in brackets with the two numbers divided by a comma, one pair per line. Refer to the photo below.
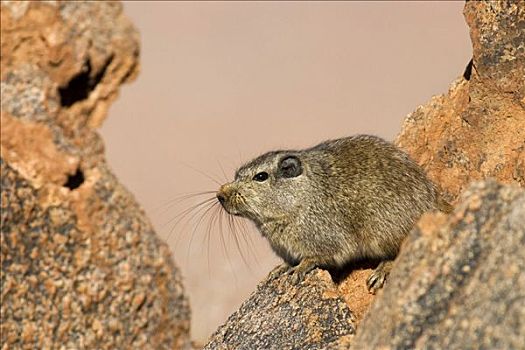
[81,85]
[75,180]
[468,70]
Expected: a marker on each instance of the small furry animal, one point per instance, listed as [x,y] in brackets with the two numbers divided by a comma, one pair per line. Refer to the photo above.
[341,201]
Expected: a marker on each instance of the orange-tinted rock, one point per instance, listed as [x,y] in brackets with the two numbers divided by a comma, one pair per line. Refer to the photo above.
[477,130]
[81,265]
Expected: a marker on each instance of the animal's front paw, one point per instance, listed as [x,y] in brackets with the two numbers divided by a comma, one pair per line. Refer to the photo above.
[299,271]
[278,271]
[377,278]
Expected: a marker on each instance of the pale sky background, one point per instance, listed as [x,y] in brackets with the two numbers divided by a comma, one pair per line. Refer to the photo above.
[222,82]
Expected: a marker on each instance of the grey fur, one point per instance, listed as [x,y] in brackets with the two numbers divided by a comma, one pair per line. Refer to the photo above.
[356,197]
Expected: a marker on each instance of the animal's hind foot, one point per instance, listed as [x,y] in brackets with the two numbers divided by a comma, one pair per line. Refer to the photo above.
[377,278]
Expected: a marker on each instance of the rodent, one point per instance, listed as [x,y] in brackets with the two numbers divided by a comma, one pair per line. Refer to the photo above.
[341,201]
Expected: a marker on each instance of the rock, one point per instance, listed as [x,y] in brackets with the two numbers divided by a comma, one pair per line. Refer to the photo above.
[477,130]
[497,31]
[281,315]
[458,282]
[81,265]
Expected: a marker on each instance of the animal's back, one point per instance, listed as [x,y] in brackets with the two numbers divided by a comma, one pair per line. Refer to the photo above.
[380,189]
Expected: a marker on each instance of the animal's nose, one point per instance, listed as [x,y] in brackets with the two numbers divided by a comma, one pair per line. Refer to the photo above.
[221,197]
[224,193]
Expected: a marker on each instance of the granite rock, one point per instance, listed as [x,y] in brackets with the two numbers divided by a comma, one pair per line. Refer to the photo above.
[81,267]
[283,315]
[458,282]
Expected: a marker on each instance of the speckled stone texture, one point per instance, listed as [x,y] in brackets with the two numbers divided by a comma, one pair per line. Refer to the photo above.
[282,315]
[459,281]
[81,267]
[477,129]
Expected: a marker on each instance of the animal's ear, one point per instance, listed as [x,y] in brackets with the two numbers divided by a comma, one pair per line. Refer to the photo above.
[290,166]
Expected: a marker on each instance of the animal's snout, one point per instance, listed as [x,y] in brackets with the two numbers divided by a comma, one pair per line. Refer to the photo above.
[223,194]
[221,198]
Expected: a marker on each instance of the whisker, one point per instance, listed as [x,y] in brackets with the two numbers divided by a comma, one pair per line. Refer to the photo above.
[184,230]
[211,223]
[223,172]
[224,248]
[247,238]
[188,210]
[191,212]
[184,196]
[202,173]
[251,209]
[208,214]
[240,156]
[237,244]
[210,207]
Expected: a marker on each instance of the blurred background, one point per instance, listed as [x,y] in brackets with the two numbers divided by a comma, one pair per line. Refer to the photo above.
[222,82]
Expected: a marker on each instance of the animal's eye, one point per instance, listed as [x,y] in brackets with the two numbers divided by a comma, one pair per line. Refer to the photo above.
[260,177]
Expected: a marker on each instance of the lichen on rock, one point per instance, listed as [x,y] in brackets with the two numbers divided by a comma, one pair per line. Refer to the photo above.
[81,266]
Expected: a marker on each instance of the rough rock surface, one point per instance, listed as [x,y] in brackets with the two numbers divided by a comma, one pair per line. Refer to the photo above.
[458,282]
[281,315]
[81,267]
[477,129]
